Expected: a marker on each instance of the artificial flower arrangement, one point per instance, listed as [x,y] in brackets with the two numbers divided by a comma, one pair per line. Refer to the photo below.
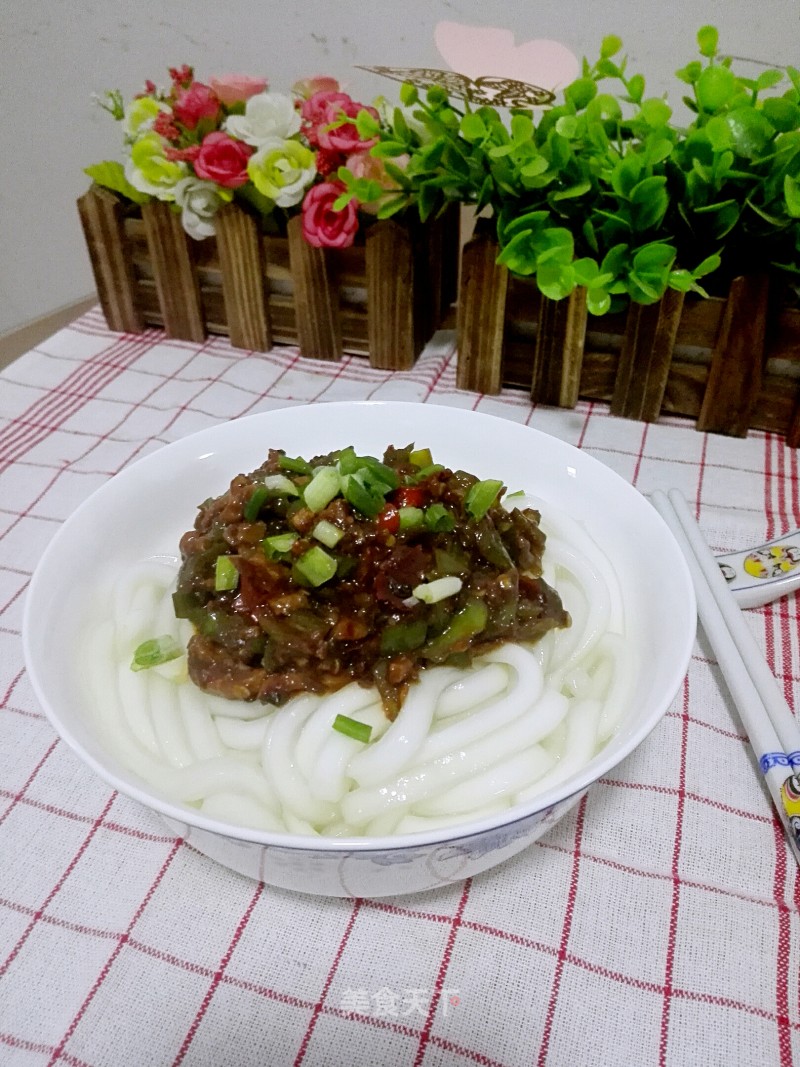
[201,146]
[605,190]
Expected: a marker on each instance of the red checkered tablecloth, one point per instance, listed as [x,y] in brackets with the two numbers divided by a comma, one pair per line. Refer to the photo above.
[656,924]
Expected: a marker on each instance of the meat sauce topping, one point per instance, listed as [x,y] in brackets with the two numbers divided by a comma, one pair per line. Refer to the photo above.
[307,575]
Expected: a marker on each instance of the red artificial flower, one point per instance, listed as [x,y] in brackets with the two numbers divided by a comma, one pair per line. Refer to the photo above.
[165,127]
[182,155]
[182,77]
[314,110]
[195,103]
[323,225]
[223,160]
[341,136]
[236,88]
[328,162]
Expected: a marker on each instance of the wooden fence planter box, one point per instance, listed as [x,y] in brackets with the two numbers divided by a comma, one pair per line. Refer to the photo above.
[383,298]
[731,364]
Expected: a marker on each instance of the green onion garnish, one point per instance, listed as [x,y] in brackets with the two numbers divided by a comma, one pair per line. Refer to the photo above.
[226,576]
[365,500]
[439,519]
[155,651]
[322,488]
[516,493]
[255,503]
[296,465]
[328,534]
[481,496]
[410,517]
[278,544]
[360,731]
[421,457]
[315,566]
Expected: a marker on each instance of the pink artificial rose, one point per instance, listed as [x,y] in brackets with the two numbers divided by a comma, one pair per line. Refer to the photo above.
[320,84]
[344,137]
[236,88]
[314,110]
[223,160]
[323,225]
[195,103]
[363,165]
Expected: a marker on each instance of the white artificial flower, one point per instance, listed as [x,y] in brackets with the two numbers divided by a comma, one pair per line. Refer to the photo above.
[199,202]
[282,171]
[267,116]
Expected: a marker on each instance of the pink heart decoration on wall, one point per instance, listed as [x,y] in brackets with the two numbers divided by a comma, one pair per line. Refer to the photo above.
[478,51]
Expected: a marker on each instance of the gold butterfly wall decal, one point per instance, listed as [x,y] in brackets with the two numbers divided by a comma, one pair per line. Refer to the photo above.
[489,89]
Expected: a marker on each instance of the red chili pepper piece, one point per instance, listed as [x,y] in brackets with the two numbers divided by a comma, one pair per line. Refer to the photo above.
[388,519]
[410,496]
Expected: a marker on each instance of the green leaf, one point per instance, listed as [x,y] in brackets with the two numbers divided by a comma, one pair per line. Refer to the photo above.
[521,128]
[400,125]
[782,114]
[598,301]
[610,46]
[791,191]
[537,165]
[751,131]
[567,126]
[367,125]
[707,41]
[409,94]
[581,92]
[656,112]
[572,191]
[111,175]
[384,149]
[707,266]
[719,133]
[689,74]
[555,281]
[636,88]
[768,79]
[473,128]
[391,207]
[715,88]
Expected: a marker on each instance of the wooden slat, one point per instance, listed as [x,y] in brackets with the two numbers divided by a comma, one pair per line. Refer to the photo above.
[646,356]
[734,379]
[102,218]
[391,287]
[176,281]
[481,317]
[319,328]
[558,352]
[241,260]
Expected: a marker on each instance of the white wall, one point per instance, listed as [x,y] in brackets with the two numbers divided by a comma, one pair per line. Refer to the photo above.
[55,53]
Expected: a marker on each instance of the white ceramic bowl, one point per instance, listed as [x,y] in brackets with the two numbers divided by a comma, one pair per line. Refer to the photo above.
[143,511]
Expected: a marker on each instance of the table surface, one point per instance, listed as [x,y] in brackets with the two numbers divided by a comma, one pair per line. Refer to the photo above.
[655,924]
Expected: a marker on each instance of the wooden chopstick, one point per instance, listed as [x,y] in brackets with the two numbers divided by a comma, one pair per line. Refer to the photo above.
[765,715]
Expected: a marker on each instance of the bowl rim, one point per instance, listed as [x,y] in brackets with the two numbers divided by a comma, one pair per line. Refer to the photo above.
[558,795]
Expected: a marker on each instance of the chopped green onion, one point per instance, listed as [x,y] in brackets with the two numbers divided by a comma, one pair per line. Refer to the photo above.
[154,652]
[410,517]
[421,457]
[434,468]
[363,499]
[347,461]
[359,731]
[280,485]
[315,566]
[323,487]
[255,503]
[226,576]
[438,589]
[327,533]
[516,493]
[278,544]
[439,519]
[481,496]
[296,466]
